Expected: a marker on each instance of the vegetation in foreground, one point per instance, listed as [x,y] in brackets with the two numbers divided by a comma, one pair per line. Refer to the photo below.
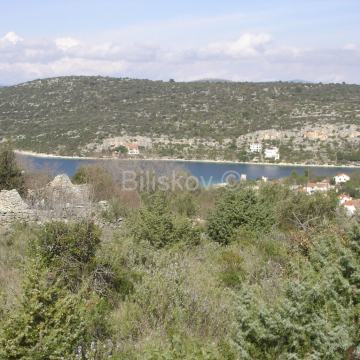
[210,274]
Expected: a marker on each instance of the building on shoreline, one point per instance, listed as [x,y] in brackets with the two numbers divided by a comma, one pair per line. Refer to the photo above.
[341,178]
[133,149]
[272,153]
[255,148]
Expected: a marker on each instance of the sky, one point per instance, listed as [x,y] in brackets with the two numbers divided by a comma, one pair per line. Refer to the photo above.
[252,40]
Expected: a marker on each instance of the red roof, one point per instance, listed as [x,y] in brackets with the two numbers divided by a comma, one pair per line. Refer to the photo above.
[132,146]
[355,203]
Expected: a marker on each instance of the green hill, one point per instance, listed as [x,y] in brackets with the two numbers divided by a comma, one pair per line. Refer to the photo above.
[212,119]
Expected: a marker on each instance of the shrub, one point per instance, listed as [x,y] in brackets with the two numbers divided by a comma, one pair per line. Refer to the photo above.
[115,210]
[68,250]
[10,175]
[180,348]
[121,149]
[240,209]
[101,182]
[66,296]
[51,323]
[76,242]
[157,225]
[184,204]
[302,211]
[316,317]
[233,269]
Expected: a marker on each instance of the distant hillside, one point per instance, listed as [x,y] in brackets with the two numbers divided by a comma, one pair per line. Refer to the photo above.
[213,80]
[66,114]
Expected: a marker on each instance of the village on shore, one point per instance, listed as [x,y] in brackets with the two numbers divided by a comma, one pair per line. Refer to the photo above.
[311,187]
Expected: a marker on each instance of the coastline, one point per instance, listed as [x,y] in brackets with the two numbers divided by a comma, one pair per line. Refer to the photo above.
[67,157]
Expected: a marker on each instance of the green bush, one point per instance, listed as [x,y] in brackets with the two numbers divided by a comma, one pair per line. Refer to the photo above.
[302,211]
[101,182]
[352,187]
[157,225]
[121,149]
[59,243]
[11,176]
[50,323]
[115,211]
[233,269]
[66,296]
[240,209]
[184,204]
[317,317]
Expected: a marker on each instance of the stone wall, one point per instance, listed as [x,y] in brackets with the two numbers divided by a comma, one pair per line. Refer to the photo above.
[13,208]
[58,200]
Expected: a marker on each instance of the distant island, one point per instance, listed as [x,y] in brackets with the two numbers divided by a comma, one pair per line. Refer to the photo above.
[210,119]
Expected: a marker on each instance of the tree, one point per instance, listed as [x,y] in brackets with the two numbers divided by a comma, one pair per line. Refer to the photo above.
[11,176]
[121,149]
[242,209]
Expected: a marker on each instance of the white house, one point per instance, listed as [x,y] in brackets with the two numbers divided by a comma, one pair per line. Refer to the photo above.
[352,207]
[255,147]
[321,186]
[341,178]
[272,153]
[133,149]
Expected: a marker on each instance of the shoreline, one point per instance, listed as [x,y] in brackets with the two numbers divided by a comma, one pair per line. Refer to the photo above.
[94,158]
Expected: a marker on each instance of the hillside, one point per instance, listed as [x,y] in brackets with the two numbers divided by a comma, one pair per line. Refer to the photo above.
[74,115]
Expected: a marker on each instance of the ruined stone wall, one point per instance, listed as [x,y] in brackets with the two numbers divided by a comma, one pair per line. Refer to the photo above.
[13,208]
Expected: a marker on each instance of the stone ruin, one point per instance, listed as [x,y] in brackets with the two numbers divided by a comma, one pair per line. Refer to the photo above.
[62,192]
[13,207]
[60,199]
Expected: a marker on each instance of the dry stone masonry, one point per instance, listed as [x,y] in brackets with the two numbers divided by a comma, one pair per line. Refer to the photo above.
[58,200]
[13,208]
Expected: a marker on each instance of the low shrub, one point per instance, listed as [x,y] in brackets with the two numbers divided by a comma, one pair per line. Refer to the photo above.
[157,225]
[240,209]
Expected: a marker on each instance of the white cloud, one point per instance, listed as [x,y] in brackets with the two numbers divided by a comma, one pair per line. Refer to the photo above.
[66,43]
[250,57]
[246,45]
[10,38]
[351,46]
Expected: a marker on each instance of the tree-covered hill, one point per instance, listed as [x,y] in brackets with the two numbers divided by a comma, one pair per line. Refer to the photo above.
[65,114]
